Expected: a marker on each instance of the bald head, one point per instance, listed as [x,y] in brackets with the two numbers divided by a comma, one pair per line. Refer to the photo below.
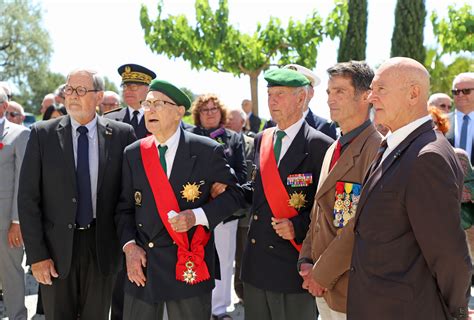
[441,101]
[15,112]
[400,92]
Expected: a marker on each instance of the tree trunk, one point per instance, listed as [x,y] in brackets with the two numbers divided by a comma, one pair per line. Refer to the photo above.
[254,91]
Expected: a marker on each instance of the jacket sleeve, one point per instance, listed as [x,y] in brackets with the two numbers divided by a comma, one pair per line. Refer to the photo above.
[20,147]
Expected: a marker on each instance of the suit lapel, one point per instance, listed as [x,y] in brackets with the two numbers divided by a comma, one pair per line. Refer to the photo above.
[126,116]
[64,132]
[4,129]
[104,134]
[377,175]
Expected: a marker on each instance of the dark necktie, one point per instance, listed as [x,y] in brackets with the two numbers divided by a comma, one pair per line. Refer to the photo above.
[84,213]
[134,121]
[378,157]
[336,155]
[277,147]
[465,125]
[162,151]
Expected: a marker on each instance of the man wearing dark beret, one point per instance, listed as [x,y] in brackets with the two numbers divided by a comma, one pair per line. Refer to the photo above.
[135,81]
[165,217]
[288,161]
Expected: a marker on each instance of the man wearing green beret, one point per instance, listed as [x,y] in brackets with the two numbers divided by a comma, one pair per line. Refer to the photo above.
[165,216]
[288,161]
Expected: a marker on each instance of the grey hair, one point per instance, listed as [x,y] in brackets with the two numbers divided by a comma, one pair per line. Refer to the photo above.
[3,95]
[359,72]
[97,80]
[6,87]
[15,104]
[112,93]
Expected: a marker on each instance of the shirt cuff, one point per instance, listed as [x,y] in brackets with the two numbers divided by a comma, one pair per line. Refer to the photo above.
[201,218]
[131,241]
[16,221]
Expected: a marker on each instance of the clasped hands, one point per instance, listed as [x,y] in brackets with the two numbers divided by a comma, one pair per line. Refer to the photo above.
[309,283]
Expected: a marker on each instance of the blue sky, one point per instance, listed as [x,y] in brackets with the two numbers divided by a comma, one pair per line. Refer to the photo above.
[104,34]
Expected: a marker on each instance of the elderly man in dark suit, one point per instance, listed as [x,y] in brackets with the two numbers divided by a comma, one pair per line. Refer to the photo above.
[288,160]
[69,188]
[253,122]
[410,258]
[166,216]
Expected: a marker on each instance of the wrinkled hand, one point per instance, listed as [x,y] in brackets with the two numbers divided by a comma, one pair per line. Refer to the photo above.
[284,228]
[136,259]
[184,221]
[308,282]
[43,271]
[217,188]
[14,236]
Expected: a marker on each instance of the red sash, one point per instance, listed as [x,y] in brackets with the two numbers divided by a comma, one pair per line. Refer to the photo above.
[273,187]
[190,267]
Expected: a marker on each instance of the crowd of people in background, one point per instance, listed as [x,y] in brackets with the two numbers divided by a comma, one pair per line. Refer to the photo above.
[125,211]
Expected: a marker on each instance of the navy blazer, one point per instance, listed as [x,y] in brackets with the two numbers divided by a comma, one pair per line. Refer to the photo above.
[122,115]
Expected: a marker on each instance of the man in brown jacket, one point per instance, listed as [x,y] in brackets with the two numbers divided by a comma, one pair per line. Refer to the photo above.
[410,258]
[326,254]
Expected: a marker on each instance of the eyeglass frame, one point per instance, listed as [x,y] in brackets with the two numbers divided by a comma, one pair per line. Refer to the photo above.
[12,114]
[465,91]
[67,87]
[209,111]
[131,86]
[162,104]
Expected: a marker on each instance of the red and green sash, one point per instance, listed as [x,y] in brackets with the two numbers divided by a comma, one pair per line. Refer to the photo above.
[190,267]
[274,189]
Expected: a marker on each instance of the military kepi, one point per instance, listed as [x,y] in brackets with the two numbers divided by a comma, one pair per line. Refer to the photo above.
[173,92]
[285,78]
[134,73]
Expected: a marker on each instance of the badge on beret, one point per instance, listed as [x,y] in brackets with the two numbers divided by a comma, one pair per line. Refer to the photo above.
[345,204]
[138,198]
[191,192]
[297,200]
[299,180]
[189,275]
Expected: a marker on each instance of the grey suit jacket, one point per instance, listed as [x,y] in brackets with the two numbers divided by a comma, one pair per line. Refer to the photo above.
[13,138]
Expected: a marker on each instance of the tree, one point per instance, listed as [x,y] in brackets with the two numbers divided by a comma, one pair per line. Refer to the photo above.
[407,38]
[216,45]
[110,85]
[456,33]
[354,41]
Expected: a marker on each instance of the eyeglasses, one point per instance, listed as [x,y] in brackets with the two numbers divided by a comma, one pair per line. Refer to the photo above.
[130,86]
[80,91]
[109,104]
[147,105]
[445,106]
[209,110]
[12,114]
[465,91]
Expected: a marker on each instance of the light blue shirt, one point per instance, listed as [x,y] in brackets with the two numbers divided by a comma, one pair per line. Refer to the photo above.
[458,120]
[93,155]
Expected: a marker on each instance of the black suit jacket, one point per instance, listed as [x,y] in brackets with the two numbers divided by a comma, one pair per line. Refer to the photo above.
[450,135]
[122,115]
[198,160]
[269,262]
[255,122]
[410,259]
[47,200]
[316,122]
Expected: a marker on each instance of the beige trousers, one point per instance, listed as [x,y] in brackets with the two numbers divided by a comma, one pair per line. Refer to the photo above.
[327,313]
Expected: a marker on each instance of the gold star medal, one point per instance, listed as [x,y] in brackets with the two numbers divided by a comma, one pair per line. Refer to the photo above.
[191,192]
[138,198]
[189,275]
[297,200]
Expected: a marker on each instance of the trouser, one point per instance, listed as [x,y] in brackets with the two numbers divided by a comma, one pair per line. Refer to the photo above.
[327,313]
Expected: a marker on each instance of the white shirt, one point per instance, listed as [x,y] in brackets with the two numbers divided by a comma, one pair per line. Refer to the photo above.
[2,119]
[140,114]
[93,155]
[291,133]
[458,120]
[396,137]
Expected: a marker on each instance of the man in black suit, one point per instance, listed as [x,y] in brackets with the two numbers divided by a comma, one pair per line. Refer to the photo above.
[319,123]
[410,258]
[69,188]
[135,81]
[288,161]
[253,122]
[165,215]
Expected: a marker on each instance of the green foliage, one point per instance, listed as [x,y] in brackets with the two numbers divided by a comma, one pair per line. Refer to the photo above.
[337,20]
[110,86]
[456,33]
[217,45]
[354,41]
[407,38]
[189,93]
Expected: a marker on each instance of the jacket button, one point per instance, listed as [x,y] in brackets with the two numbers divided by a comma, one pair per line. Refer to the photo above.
[253,241]
[353,269]
[74,200]
[255,217]
[69,226]
[151,245]
[140,225]
[271,247]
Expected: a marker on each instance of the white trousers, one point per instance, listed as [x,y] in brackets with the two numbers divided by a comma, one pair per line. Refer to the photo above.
[327,313]
[225,239]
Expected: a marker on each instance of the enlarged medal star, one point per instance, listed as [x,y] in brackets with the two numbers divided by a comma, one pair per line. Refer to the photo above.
[297,200]
[191,192]
[189,276]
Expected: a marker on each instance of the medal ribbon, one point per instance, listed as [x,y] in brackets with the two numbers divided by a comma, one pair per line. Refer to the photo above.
[273,188]
[165,201]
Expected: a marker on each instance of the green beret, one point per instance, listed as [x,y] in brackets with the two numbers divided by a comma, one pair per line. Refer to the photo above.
[174,93]
[285,78]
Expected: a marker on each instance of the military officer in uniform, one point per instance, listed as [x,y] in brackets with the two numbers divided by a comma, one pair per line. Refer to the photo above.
[288,162]
[165,217]
[135,81]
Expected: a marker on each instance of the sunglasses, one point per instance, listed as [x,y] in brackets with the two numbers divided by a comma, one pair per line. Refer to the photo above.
[12,114]
[465,91]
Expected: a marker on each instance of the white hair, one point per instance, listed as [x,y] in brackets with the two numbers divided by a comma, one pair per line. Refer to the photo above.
[463,76]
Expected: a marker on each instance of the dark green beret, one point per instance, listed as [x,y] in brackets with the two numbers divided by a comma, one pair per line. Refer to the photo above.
[174,93]
[285,78]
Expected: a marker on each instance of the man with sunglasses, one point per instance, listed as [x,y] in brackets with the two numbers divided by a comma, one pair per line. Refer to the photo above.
[15,113]
[441,101]
[461,132]
[69,188]
[135,81]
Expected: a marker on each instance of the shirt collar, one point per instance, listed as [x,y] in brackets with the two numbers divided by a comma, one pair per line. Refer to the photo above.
[91,126]
[351,135]
[292,130]
[130,111]
[460,115]
[172,141]
[396,137]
